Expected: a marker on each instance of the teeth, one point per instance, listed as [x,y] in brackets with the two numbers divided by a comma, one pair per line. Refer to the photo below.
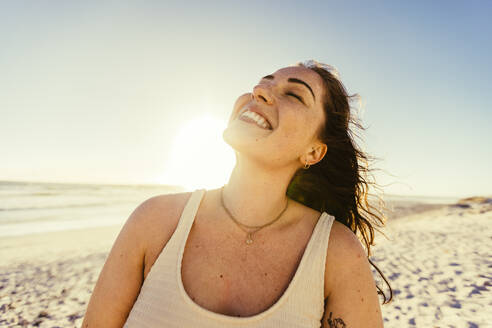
[257,118]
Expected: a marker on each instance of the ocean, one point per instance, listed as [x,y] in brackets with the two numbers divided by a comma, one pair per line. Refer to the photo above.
[35,207]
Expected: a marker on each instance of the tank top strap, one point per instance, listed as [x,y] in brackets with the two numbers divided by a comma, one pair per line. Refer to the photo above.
[310,288]
[320,245]
[170,251]
[316,256]
[189,212]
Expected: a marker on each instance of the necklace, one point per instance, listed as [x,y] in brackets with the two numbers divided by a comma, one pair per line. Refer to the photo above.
[249,239]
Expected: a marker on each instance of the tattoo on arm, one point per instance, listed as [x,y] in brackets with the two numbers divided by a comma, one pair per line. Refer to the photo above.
[335,322]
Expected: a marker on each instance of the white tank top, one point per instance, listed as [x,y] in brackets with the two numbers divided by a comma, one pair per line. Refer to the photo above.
[163,301]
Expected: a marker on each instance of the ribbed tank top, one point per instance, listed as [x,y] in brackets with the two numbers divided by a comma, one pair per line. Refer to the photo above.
[163,301]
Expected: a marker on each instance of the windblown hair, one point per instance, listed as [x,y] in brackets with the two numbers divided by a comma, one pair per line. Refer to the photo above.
[339,184]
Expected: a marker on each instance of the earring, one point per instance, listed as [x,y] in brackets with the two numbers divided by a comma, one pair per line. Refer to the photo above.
[306,165]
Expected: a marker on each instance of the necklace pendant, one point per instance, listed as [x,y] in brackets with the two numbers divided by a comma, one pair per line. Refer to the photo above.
[249,240]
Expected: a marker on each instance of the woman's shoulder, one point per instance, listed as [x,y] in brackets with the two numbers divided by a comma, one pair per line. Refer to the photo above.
[158,217]
[344,252]
[343,239]
[160,211]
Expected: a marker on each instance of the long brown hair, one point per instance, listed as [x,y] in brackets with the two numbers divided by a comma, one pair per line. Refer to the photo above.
[339,183]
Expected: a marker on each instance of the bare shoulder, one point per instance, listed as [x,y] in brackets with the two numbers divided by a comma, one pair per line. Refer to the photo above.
[342,239]
[159,213]
[351,296]
[344,251]
[158,218]
[125,269]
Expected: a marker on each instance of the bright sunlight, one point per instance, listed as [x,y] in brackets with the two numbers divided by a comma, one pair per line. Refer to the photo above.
[199,157]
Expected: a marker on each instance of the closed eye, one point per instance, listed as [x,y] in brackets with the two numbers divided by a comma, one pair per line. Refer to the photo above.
[294,95]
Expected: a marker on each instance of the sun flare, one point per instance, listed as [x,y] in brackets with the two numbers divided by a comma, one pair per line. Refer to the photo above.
[199,157]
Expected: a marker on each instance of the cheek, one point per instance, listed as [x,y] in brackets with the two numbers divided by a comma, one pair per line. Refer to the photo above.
[299,130]
[296,124]
[294,131]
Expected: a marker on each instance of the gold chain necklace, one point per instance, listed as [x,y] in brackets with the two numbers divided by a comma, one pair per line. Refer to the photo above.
[249,239]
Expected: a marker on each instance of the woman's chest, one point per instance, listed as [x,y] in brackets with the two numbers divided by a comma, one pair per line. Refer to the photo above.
[228,277]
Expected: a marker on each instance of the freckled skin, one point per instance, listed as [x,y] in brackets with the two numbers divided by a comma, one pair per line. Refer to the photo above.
[293,122]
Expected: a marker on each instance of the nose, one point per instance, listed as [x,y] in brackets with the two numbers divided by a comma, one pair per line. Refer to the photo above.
[261,93]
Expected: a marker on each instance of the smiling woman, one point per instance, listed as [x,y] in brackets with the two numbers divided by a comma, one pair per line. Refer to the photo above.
[199,138]
[277,245]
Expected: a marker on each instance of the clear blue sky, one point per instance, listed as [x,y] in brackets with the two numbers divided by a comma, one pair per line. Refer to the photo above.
[96,91]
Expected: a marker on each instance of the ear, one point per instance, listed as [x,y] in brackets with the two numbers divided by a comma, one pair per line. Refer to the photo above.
[316,153]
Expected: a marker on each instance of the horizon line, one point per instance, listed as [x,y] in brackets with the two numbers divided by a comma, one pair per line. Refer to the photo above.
[155,184]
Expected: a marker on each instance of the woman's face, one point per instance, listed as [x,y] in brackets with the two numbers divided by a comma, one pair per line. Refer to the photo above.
[290,99]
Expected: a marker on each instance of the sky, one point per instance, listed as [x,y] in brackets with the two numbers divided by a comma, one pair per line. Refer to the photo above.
[140,92]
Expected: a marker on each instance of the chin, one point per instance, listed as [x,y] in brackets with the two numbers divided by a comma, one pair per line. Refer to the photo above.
[240,140]
[233,138]
[248,144]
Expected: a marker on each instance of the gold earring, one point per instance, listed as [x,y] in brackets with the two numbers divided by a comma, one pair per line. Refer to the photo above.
[306,165]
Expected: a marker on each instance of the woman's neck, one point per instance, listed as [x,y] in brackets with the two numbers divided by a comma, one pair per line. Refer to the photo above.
[255,195]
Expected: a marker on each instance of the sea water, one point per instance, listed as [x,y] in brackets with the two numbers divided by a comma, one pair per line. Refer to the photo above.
[33,207]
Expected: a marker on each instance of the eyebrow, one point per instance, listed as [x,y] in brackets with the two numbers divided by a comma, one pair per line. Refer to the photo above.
[293,80]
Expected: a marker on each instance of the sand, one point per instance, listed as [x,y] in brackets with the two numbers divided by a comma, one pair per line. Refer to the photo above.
[438,261]
[46,279]
[439,265]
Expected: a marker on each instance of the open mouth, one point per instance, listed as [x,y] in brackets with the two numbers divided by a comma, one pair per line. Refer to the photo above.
[258,120]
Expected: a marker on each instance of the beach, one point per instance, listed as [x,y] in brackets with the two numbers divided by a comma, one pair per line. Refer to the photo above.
[46,279]
[438,263]
[437,259]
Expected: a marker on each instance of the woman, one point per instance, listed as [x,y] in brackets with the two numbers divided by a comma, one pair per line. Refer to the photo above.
[276,246]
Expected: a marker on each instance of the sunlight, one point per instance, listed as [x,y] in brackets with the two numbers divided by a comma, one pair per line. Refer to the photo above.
[199,157]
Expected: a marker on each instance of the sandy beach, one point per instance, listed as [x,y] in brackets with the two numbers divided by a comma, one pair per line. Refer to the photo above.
[437,259]
[439,265]
[46,279]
